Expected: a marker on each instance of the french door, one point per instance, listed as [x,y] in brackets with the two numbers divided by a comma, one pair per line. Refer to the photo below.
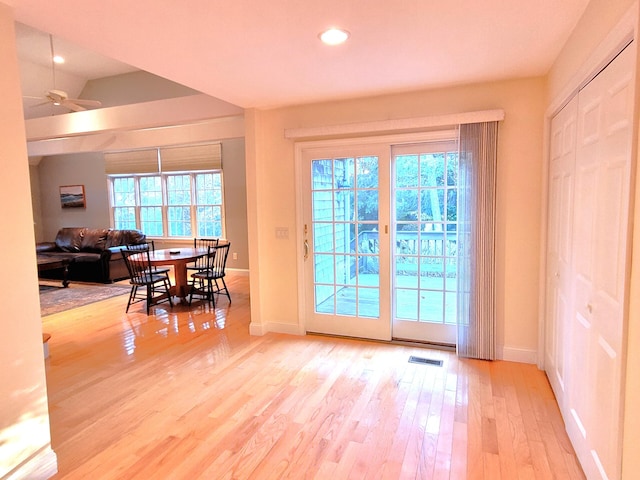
[425,180]
[380,240]
[346,241]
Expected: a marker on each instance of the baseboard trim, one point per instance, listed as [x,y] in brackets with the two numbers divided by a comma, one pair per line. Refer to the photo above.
[42,465]
[257,329]
[240,271]
[510,354]
[286,328]
[520,355]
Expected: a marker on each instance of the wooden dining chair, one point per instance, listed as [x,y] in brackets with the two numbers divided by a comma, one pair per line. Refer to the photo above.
[148,246]
[205,242]
[209,282]
[156,285]
[201,263]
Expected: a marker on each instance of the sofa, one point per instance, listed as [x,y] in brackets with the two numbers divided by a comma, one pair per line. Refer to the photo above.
[93,253]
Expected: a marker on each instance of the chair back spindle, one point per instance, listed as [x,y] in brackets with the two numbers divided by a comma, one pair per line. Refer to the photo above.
[201,262]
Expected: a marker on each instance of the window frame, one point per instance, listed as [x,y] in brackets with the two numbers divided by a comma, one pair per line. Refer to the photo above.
[165,205]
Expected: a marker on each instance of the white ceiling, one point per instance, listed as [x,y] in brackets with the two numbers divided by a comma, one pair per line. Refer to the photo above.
[255,53]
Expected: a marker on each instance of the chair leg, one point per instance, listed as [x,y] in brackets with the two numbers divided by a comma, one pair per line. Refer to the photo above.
[149,297]
[134,289]
[167,285]
[226,289]
[192,290]
[210,296]
[205,289]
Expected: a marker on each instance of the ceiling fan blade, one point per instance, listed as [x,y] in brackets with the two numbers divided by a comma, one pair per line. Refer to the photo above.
[72,106]
[86,103]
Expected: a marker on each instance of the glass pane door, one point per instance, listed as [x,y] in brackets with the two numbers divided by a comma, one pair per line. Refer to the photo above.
[425,241]
[344,249]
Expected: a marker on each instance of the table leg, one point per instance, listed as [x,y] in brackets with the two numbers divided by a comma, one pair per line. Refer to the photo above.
[180,277]
[65,276]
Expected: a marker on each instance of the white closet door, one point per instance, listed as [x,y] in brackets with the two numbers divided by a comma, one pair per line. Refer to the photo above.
[559,251]
[601,217]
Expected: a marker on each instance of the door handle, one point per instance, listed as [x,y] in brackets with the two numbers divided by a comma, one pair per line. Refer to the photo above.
[306,249]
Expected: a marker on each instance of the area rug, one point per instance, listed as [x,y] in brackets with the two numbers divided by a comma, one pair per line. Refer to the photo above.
[55,299]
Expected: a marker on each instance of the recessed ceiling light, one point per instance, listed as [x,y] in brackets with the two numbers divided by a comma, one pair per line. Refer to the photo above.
[58,59]
[334,36]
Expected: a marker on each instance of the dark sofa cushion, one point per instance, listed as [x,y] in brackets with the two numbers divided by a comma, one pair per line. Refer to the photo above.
[45,247]
[94,240]
[86,257]
[63,255]
[69,239]
[116,238]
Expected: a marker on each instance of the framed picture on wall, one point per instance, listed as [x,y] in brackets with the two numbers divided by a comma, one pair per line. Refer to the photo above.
[72,196]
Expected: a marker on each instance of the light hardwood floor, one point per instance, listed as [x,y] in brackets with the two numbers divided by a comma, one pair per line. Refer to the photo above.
[188,394]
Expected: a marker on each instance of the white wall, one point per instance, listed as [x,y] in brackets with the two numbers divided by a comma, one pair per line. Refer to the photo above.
[270,169]
[25,443]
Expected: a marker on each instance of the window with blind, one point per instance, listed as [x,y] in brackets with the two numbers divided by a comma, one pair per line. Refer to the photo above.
[168,192]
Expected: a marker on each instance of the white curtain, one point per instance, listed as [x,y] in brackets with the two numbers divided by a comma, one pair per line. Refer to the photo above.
[476,240]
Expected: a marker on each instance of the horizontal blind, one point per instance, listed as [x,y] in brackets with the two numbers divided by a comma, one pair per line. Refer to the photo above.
[133,161]
[193,157]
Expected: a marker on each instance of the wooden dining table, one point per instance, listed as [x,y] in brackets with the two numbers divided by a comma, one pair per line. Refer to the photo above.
[179,258]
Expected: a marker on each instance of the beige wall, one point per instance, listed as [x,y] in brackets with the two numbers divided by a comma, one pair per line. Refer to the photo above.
[88,169]
[34,181]
[235,198]
[25,442]
[600,18]
[518,203]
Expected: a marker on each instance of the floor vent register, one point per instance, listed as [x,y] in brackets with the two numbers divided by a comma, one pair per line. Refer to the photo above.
[425,361]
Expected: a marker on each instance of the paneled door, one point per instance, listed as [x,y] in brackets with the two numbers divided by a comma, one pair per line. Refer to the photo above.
[346,241]
[559,247]
[600,238]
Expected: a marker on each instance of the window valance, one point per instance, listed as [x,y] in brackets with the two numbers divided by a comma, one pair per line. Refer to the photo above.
[168,159]
[193,157]
[134,161]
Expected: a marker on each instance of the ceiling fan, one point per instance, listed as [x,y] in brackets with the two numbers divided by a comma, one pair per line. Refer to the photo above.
[60,97]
